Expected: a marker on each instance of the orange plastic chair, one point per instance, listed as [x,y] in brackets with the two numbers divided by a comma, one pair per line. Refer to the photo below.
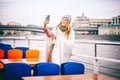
[1,65]
[1,54]
[15,54]
[32,55]
[1,57]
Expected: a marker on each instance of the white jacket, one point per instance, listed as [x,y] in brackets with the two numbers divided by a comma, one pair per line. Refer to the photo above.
[63,47]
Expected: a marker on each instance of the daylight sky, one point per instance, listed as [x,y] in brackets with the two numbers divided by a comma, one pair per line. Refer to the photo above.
[34,11]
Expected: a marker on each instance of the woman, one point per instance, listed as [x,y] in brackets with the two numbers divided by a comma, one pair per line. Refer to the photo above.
[60,41]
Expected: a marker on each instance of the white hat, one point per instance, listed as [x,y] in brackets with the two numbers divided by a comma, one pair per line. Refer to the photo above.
[68,17]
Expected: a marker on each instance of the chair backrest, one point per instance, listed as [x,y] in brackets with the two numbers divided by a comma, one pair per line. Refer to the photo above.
[7,45]
[72,68]
[24,49]
[46,69]
[1,57]
[2,45]
[14,71]
[1,54]
[32,54]
[15,54]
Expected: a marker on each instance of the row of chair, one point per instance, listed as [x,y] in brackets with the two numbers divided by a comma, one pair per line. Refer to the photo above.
[7,47]
[14,71]
[17,53]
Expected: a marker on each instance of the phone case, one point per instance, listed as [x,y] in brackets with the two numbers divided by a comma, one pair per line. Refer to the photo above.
[48,17]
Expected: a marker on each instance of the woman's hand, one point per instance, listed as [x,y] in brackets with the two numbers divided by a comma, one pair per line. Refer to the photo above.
[46,22]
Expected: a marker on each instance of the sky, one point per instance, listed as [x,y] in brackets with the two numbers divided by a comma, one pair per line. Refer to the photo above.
[34,11]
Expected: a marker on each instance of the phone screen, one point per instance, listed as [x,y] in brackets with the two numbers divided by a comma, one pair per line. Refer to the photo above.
[48,17]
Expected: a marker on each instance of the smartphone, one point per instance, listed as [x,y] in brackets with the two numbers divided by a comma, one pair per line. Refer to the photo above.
[48,17]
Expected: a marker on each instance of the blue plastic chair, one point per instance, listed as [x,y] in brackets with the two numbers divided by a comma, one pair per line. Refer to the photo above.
[1,45]
[24,49]
[68,68]
[7,45]
[14,71]
[46,69]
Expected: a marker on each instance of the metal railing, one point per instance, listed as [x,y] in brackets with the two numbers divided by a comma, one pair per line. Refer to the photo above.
[95,57]
[18,38]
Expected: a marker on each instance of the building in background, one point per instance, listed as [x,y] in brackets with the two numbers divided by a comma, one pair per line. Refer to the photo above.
[86,25]
[84,21]
[111,29]
[116,20]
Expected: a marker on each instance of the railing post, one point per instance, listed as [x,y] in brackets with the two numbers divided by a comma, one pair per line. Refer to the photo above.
[96,66]
[14,43]
[29,43]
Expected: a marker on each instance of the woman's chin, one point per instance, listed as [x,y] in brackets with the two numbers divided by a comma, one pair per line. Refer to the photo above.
[63,24]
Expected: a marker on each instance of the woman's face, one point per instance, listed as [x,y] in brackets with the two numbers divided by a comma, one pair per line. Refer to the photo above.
[64,21]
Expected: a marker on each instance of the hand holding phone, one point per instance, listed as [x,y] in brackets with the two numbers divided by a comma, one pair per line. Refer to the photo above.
[46,20]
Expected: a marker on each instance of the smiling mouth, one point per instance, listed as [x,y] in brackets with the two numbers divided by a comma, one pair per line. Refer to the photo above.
[63,23]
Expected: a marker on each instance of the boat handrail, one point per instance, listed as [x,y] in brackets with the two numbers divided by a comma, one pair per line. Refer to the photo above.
[95,57]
